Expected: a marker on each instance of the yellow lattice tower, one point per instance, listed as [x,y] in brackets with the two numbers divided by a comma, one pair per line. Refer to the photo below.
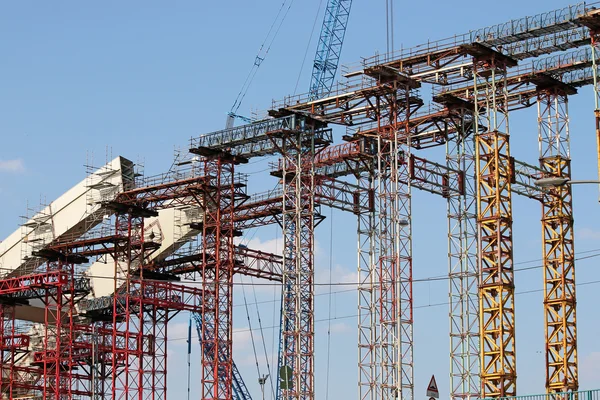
[557,236]
[493,166]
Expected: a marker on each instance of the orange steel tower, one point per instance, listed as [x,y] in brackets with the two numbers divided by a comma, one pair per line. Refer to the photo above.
[557,230]
[494,220]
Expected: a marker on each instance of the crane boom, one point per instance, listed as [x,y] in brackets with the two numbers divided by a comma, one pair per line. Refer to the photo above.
[329,48]
[240,391]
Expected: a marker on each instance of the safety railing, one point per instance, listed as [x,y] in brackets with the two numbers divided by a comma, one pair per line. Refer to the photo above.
[580,395]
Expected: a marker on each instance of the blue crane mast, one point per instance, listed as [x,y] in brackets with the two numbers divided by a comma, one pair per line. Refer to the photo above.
[240,391]
[329,47]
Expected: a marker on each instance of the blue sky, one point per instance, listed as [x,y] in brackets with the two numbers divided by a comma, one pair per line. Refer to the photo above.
[80,80]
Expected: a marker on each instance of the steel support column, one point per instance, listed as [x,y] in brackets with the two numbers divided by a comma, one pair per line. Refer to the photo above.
[595,44]
[296,353]
[558,249]
[494,209]
[128,313]
[462,259]
[367,304]
[8,351]
[218,200]
[394,338]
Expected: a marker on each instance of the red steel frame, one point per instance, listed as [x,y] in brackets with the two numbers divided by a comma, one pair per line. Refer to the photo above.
[218,201]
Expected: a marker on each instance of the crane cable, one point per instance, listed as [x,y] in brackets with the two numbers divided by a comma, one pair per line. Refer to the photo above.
[329,305]
[189,357]
[250,328]
[312,33]
[262,337]
[260,376]
[262,54]
[273,354]
[389,26]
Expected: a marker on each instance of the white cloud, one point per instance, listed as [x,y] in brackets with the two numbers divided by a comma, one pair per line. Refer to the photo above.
[590,373]
[340,327]
[179,330]
[344,277]
[242,337]
[273,246]
[15,165]
[587,234]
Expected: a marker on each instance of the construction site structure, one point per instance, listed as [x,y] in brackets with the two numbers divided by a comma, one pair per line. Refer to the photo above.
[91,282]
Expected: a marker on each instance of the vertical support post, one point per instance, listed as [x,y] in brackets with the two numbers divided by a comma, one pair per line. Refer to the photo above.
[218,200]
[393,284]
[155,350]
[128,310]
[296,358]
[403,226]
[462,260]
[8,349]
[595,44]
[558,244]
[57,355]
[494,220]
[367,304]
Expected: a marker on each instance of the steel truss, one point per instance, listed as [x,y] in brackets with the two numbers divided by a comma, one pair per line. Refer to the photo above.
[219,200]
[296,353]
[367,275]
[494,221]
[60,369]
[558,249]
[138,361]
[393,247]
[462,260]
[592,21]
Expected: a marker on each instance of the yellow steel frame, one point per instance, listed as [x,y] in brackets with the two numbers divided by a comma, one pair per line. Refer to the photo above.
[558,250]
[496,289]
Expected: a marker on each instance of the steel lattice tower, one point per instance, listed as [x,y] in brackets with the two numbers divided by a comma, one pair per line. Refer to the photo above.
[367,305]
[558,250]
[494,221]
[298,221]
[218,199]
[594,26]
[394,246]
[462,258]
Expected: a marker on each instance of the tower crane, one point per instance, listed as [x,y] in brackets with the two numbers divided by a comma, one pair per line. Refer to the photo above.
[240,391]
[329,47]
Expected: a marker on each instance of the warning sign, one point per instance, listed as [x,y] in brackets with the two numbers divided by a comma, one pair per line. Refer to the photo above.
[432,389]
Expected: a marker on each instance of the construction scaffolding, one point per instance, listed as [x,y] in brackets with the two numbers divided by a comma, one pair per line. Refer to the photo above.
[71,330]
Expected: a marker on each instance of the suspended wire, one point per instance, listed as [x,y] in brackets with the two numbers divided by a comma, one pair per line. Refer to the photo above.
[329,305]
[251,330]
[277,284]
[273,332]
[415,307]
[262,336]
[352,290]
[262,54]
[312,33]
[189,357]
[269,375]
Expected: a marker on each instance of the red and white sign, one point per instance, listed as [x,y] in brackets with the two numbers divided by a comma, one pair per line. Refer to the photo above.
[432,389]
